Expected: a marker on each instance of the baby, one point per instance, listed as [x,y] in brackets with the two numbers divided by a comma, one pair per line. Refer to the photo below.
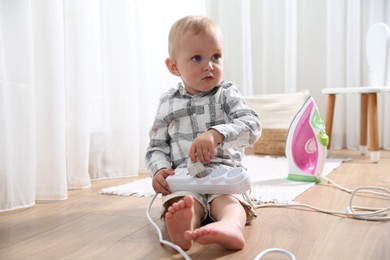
[200,119]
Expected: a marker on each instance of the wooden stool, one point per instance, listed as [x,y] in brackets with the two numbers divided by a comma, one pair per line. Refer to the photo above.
[368,104]
[378,59]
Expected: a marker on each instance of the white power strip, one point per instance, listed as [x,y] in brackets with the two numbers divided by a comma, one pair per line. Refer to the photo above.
[217,181]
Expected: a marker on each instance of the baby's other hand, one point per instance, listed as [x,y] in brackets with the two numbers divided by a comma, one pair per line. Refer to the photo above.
[159,183]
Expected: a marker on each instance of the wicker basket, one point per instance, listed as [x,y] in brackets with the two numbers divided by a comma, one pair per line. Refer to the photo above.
[272,142]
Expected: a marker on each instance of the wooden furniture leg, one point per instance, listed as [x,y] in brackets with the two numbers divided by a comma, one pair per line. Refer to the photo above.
[363,123]
[374,135]
[329,116]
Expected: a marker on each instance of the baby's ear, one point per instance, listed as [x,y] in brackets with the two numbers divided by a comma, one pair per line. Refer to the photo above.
[171,65]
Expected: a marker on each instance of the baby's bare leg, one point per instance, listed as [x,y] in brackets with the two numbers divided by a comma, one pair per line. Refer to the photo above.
[227,230]
[181,216]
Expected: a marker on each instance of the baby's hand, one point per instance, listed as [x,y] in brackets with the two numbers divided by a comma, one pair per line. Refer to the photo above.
[159,183]
[202,147]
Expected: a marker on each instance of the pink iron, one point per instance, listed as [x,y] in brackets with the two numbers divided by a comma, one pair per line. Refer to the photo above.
[306,144]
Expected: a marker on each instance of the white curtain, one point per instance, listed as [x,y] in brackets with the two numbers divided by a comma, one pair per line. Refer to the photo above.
[260,43]
[80,79]
[284,46]
[79,85]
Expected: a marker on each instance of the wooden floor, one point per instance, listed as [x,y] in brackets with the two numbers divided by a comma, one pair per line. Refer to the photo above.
[93,226]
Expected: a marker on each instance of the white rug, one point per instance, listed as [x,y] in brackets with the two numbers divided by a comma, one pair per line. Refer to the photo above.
[268,176]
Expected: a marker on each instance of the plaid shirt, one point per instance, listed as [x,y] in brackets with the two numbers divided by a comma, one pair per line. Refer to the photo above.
[182,117]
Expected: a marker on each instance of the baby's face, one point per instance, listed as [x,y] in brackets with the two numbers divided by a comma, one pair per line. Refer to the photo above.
[199,60]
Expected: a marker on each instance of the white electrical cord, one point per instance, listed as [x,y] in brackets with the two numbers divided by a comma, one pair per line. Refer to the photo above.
[275,250]
[363,213]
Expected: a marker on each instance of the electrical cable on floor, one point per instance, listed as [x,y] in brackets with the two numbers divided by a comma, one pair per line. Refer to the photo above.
[275,250]
[363,213]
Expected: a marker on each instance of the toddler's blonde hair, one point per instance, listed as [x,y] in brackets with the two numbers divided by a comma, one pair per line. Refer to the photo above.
[197,23]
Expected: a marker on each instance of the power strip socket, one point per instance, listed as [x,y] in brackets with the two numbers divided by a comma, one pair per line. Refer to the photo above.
[217,181]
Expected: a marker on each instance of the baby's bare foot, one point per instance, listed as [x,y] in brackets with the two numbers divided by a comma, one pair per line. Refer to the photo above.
[178,219]
[224,234]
